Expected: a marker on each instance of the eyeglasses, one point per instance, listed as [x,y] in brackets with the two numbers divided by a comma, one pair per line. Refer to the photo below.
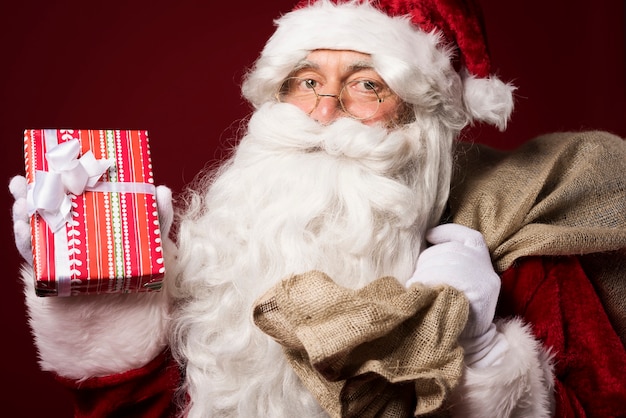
[359,98]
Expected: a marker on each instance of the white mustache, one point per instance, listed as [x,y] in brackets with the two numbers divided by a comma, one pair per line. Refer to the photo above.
[283,127]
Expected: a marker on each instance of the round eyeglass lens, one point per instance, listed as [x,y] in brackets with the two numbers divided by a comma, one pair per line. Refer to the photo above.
[358,98]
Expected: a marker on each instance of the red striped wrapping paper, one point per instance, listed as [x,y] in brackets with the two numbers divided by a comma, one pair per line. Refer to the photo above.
[111,242]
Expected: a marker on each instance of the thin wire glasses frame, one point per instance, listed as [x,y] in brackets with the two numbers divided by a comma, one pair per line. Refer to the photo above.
[358,98]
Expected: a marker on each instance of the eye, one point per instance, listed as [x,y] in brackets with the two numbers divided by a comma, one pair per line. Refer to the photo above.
[366,86]
[300,86]
[366,89]
[307,83]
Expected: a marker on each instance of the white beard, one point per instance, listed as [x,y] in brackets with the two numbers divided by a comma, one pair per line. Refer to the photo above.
[350,200]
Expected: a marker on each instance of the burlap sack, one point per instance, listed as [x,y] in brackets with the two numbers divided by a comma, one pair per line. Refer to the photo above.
[380,351]
[559,194]
[385,351]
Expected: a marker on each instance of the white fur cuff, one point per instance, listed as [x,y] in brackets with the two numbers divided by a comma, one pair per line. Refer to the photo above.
[520,385]
[96,335]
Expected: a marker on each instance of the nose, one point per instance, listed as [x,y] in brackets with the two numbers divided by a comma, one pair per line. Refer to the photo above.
[328,109]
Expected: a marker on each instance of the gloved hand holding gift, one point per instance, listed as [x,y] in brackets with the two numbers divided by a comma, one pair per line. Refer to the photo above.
[85,215]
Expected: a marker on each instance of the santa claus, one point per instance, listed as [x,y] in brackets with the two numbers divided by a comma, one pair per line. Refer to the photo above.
[344,172]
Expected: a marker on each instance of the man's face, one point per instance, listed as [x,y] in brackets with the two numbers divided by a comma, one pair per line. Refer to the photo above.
[325,76]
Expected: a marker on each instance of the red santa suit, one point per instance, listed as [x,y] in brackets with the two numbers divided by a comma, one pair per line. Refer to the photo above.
[354,201]
[551,293]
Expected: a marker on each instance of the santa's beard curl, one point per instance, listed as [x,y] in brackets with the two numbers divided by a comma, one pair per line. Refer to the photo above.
[347,199]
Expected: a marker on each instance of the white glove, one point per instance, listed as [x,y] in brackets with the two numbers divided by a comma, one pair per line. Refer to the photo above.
[165,209]
[21,221]
[460,258]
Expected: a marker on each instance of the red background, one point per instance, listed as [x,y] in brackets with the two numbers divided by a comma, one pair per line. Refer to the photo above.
[175,70]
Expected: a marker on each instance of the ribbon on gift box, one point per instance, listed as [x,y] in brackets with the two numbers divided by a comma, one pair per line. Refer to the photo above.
[49,194]
[68,173]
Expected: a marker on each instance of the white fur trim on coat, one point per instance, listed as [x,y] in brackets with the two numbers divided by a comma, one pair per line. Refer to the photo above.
[519,386]
[79,337]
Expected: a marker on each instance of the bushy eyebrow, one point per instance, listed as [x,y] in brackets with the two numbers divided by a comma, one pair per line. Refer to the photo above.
[354,67]
[361,65]
[304,64]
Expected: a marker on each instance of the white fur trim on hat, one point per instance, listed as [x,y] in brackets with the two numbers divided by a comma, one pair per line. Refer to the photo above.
[417,65]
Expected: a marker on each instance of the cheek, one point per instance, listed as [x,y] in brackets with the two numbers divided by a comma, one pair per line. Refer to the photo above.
[306,109]
[387,112]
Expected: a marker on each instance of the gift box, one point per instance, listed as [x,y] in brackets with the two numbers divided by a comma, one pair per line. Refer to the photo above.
[94,221]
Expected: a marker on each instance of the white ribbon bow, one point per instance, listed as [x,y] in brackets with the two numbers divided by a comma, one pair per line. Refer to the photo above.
[67,174]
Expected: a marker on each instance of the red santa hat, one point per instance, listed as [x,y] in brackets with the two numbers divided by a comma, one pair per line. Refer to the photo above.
[432,53]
